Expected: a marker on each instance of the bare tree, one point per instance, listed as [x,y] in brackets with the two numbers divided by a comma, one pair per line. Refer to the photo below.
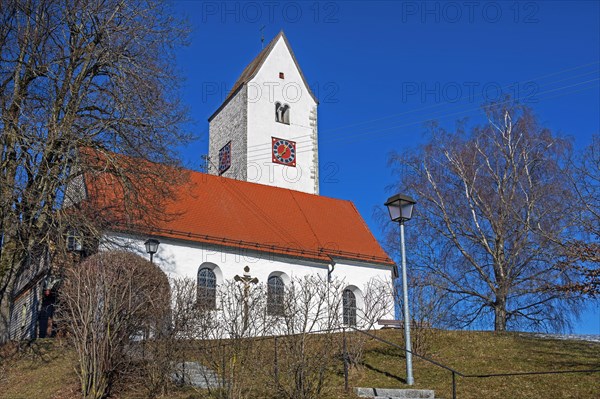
[95,75]
[582,252]
[490,219]
[109,300]
[588,187]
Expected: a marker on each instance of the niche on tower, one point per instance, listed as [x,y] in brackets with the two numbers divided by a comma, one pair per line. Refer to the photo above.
[282,113]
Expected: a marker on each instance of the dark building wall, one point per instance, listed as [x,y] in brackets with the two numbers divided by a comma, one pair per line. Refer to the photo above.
[25,313]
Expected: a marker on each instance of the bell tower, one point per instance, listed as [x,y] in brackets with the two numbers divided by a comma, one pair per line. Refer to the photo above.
[266,129]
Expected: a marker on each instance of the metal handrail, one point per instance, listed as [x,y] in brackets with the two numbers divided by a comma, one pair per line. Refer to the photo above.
[530,373]
[456,372]
[406,350]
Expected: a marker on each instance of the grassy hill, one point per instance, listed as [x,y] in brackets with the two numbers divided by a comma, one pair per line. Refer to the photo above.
[489,353]
[46,368]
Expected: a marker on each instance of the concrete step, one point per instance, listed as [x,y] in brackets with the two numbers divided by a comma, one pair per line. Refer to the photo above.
[389,393]
[195,374]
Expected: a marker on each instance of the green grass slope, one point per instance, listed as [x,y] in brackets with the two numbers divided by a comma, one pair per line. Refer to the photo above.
[47,368]
[487,353]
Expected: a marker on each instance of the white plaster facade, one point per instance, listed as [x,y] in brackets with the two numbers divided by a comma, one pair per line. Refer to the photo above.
[247,119]
[182,258]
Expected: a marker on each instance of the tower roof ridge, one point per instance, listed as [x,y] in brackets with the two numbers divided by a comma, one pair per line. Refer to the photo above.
[254,66]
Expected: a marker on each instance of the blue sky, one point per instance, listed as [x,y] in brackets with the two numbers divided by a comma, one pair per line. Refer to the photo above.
[382,69]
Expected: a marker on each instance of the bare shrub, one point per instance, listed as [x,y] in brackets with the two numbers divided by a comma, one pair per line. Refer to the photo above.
[378,300]
[311,304]
[221,339]
[108,302]
[152,357]
[257,350]
[242,316]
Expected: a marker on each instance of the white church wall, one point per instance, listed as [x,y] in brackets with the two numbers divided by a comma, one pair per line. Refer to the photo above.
[264,90]
[179,258]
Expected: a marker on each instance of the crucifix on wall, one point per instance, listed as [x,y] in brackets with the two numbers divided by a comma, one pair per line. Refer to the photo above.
[246,279]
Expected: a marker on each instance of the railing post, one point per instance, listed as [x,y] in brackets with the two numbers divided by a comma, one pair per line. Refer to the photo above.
[453,385]
[223,381]
[276,364]
[345,356]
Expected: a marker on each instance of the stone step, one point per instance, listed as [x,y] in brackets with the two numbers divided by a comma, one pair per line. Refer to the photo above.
[389,393]
[393,397]
[195,374]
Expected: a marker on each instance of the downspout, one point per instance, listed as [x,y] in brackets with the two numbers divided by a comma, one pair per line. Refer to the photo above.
[329,271]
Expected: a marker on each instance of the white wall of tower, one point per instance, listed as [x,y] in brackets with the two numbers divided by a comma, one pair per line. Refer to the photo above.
[263,91]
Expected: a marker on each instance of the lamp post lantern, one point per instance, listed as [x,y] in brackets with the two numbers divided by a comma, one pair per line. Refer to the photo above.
[400,208]
[151,247]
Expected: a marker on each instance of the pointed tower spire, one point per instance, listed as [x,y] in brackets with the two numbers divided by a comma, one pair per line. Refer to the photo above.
[266,129]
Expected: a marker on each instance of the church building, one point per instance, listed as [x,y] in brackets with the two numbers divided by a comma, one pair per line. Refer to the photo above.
[257,211]
[258,206]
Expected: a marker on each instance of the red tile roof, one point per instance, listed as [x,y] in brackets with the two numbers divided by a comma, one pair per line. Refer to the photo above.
[217,210]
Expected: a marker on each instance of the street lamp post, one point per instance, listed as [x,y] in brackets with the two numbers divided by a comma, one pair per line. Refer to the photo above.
[151,247]
[400,208]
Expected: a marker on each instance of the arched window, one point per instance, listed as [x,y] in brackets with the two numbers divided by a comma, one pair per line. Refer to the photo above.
[278,116]
[282,113]
[286,114]
[275,293]
[207,289]
[349,300]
